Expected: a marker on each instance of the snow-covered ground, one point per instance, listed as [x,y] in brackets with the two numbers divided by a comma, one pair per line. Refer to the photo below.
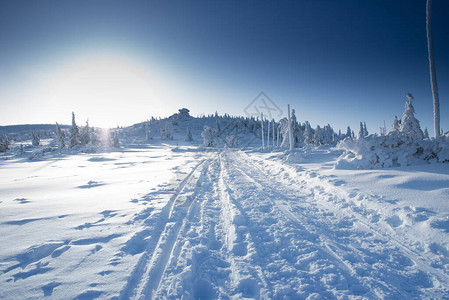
[171,222]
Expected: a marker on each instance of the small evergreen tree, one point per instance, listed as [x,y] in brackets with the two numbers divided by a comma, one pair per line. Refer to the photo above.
[4,143]
[36,141]
[60,136]
[166,132]
[365,131]
[189,137]
[85,135]
[396,124]
[308,133]
[409,124]
[208,137]
[148,135]
[361,131]
[426,133]
[348,132]
[116,140]
[74,133]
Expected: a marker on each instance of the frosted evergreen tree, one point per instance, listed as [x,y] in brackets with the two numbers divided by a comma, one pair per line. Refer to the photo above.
[348,132]
[189,137]
[148,135]
[361,131]
[208,137]
[217,124]
[396,124]
[328,135]
[85,135]
[116,140]
[318,136]
[232,141]
[426,133]
[409,124]
[297,134]
[60,136]
[35,139]
[74,133]
[365,131]
[166,132]
[308,133]
[4,143]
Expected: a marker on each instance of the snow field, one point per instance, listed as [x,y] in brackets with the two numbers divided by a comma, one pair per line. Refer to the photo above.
[182,223]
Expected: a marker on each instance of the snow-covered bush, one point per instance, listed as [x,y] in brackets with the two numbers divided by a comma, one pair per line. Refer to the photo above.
[404,145]
[232,141]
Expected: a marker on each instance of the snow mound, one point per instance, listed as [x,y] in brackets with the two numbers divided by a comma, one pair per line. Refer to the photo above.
[392,150]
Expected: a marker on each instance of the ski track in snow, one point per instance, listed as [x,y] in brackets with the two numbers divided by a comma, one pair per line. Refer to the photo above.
[235,230]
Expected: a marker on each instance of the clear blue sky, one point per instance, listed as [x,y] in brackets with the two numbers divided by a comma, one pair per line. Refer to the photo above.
[119,62]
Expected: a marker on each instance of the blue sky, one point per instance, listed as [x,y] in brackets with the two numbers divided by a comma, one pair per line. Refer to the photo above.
[119,62]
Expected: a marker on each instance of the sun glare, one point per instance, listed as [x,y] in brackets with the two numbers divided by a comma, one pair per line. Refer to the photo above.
[107,90]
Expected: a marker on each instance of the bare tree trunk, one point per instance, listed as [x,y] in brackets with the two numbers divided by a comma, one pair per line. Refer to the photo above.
[261,125]
[290,133]
[433,76]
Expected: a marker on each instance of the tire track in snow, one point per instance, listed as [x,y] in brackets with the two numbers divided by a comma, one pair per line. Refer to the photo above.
[386,285]
[310,244]
[359,216]
[152,260]
[248,279]
[211,239]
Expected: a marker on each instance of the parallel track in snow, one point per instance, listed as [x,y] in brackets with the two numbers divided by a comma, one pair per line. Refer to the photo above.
[234,230]
[145,277]
[305,214]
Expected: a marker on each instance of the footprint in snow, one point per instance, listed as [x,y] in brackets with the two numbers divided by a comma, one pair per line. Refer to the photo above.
[22,200]
[48,288]
[90,184]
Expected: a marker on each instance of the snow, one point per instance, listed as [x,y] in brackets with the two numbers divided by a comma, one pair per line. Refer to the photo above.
[169,219]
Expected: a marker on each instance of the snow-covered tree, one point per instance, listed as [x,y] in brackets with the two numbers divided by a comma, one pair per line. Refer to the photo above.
[74,133]
[4,143]
[361,131]
[296,131]
[409,124]
[208,137]
[166,132]
[396,124]
[85,135]
[218,126]
[318,138]
[148,134]
[348,132]
[308,133]
[60,136]
[116,140]
[426,133]
[35,139]
[365,131]
[189,137]
[232,141]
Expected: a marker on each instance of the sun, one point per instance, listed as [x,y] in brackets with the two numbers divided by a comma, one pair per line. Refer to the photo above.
[105,89]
